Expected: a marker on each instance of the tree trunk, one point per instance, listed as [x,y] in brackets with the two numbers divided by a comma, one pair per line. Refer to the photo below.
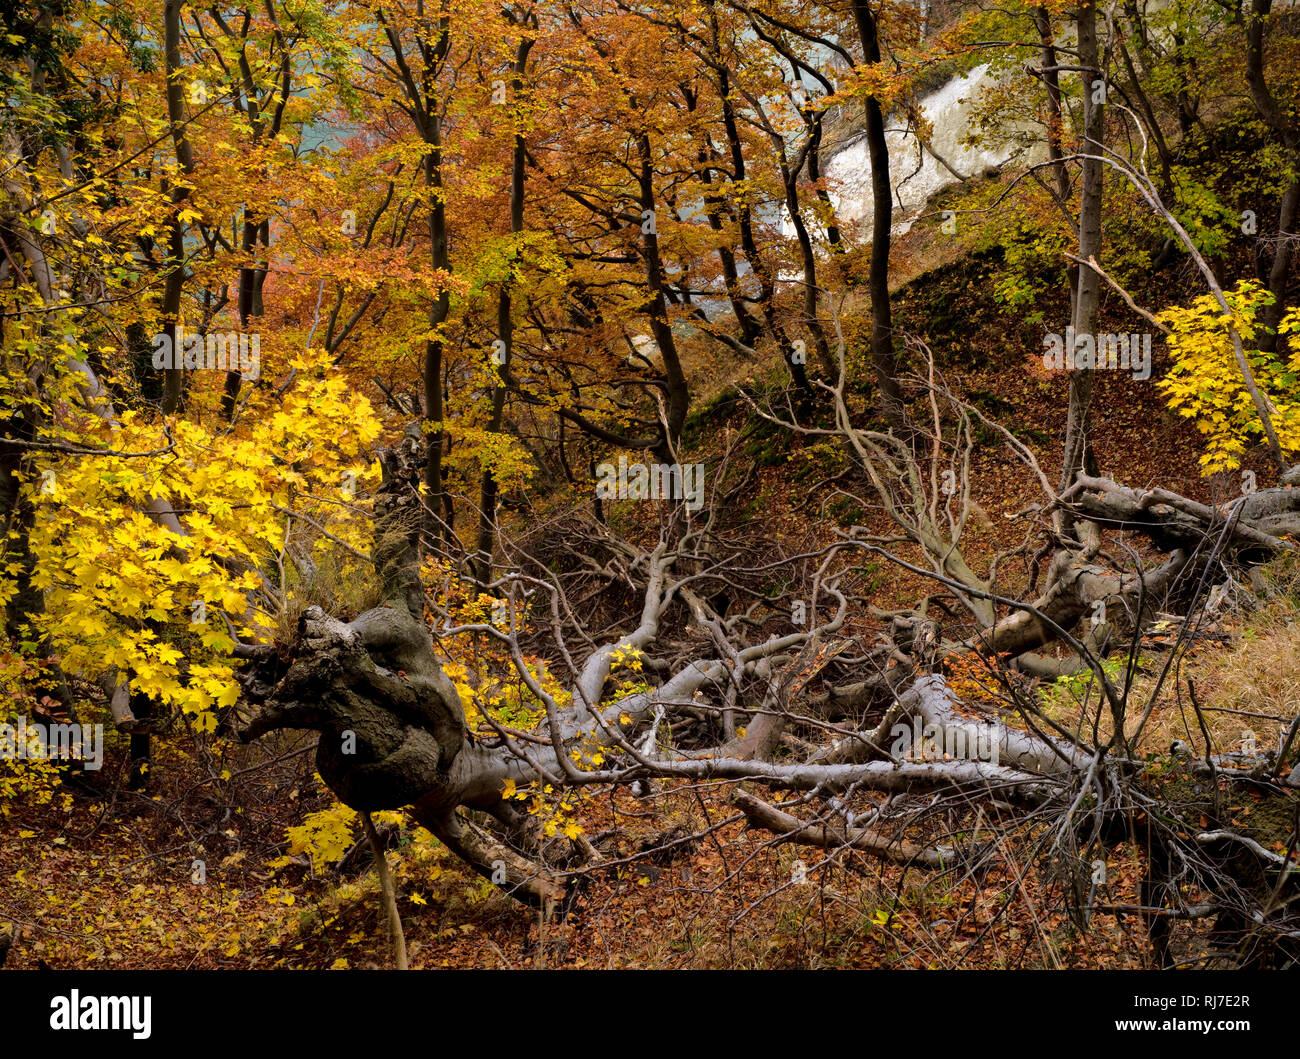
[434,434]
[678,394]
[489,488]
[882,195]
[1084,319]
[174,376]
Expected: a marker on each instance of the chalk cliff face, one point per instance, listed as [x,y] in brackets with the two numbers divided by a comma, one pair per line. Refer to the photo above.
[914,171]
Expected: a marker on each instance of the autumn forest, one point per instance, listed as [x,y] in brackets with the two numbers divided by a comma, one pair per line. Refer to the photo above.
[713,484]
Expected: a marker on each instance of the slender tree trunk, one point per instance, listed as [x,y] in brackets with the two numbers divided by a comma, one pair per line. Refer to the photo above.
[387,893]
[140,755]
[678,394]
[1287,130]
[829,364]
[745,222]
[882,194]
[434,434]
[250,305]
[28,601]
[173,377]
[824,196]
[1055,127]
[251,276]
[714,205]
[1088,288]
[505,332]
[1279,273]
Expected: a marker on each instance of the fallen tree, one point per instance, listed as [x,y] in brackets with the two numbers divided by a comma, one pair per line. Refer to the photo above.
[866,763]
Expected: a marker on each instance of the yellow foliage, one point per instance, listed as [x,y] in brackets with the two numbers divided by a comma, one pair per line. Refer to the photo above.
[124,591]
[1205,383]
[326,836]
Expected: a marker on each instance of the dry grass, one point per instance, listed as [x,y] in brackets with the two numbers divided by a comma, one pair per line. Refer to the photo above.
[1248,685]
[1254,685]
